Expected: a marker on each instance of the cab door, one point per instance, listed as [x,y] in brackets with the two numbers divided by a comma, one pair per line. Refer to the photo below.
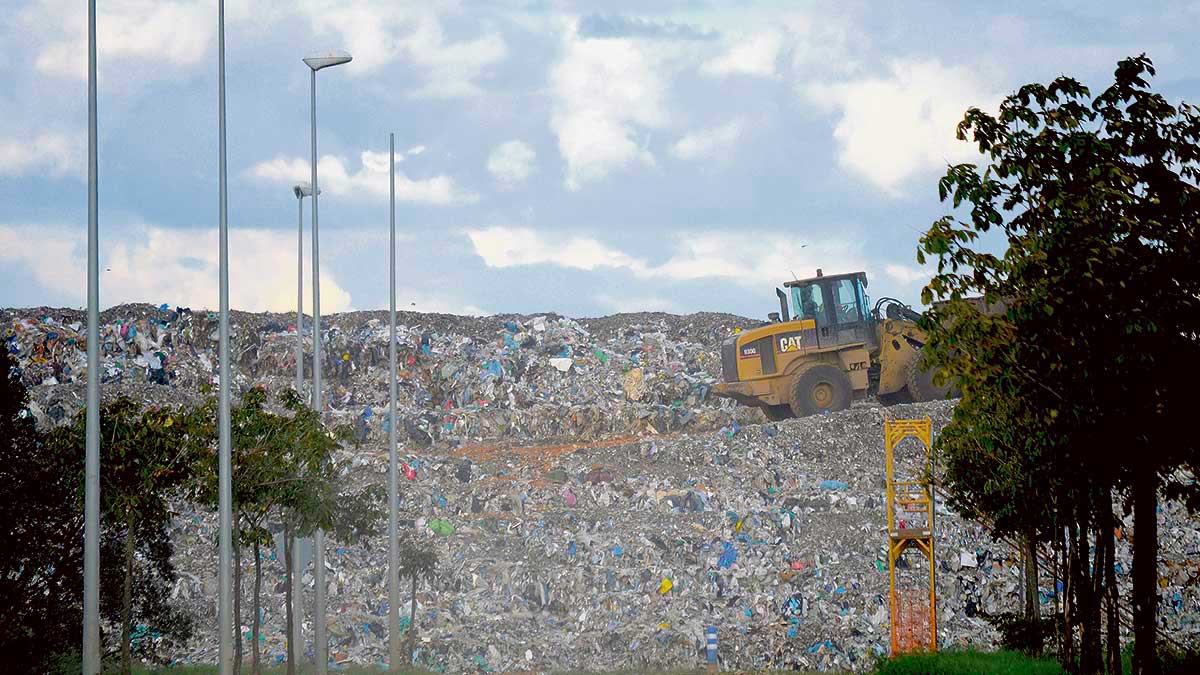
[846,323]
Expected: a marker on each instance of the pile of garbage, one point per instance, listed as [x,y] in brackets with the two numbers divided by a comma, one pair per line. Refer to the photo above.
[616,555]
[461,379]
[593,507]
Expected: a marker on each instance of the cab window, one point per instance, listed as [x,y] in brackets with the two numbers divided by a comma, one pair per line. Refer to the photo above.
[846,302]
[808,302]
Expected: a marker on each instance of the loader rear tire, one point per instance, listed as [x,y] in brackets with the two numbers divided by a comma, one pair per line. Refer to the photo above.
[820,388]
[921,386]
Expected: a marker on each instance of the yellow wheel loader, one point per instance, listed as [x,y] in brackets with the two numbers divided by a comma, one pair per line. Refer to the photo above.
[826,347]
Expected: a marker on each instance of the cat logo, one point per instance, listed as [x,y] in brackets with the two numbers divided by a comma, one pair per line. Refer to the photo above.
[790,343]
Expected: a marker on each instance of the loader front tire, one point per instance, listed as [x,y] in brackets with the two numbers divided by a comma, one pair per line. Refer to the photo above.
[921,386]
[820,388]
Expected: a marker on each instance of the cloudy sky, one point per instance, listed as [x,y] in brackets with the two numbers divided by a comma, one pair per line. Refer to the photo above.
[580,157]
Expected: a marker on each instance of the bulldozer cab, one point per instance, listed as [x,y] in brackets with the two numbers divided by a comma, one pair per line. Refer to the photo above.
[837,303]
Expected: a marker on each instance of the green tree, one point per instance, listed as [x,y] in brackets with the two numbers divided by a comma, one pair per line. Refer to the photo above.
[41,564]
[147,456]
[417,562]
[1097,201]
[284,471]
[264,447]
[41,542]
[315,501]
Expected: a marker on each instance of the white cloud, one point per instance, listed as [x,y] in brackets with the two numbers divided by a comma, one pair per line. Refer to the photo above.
[371,179]
[513,247]
[706,143]
[511,163]
[753,55]
[805,43]
[605,93]
[746,257]
[826,42]
[756,258]
[154,264]
[893,128]
[181,33]
[378,32]
[906,275]
[417,300]
[175,32]
[47,153]
[640,303]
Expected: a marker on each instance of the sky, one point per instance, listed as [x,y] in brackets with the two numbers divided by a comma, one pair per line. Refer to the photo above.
[578,157]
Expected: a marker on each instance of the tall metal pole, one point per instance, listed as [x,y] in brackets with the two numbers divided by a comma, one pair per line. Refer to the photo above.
[322,646]
[225,496]
[300,294]
[91,499]
[316,259]
[297,636]
[393,487]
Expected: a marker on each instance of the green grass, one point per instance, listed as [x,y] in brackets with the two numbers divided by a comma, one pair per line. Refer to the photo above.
[969,663]
[306,669]
[943,663]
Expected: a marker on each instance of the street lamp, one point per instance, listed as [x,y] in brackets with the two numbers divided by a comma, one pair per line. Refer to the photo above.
[301,190]
[91,509]
[393,487]
[225,619]
[317,62]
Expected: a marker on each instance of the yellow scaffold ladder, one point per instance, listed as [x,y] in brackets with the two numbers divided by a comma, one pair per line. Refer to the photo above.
[910,525]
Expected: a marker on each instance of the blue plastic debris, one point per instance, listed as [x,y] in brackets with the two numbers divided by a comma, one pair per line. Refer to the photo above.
[493,368]
[728,556]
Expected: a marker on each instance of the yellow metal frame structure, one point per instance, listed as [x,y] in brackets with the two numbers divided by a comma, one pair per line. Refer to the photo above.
[914,625]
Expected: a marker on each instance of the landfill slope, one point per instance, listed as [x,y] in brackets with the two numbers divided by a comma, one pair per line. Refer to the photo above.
[522,378]
[593,507]
[615,555]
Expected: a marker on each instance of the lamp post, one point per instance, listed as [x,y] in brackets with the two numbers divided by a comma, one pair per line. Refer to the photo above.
[224,484]
[393,487]
[91,508]
[301,190]
[315,63]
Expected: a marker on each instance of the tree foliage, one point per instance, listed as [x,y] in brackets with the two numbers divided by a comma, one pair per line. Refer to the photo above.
[148,457]
[417,562]
[284,472]
[1082,387]
[41,532]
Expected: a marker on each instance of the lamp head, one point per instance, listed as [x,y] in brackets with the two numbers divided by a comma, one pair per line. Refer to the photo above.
[327,59]
[302,190]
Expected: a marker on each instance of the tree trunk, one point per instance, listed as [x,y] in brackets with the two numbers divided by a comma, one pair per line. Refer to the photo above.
[237,600]
[292,652]
[254,627]
[1111,594]
[1145,569]
[127,597]
[1030,566]
[1068,607]
[412,623]
[1090,651]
